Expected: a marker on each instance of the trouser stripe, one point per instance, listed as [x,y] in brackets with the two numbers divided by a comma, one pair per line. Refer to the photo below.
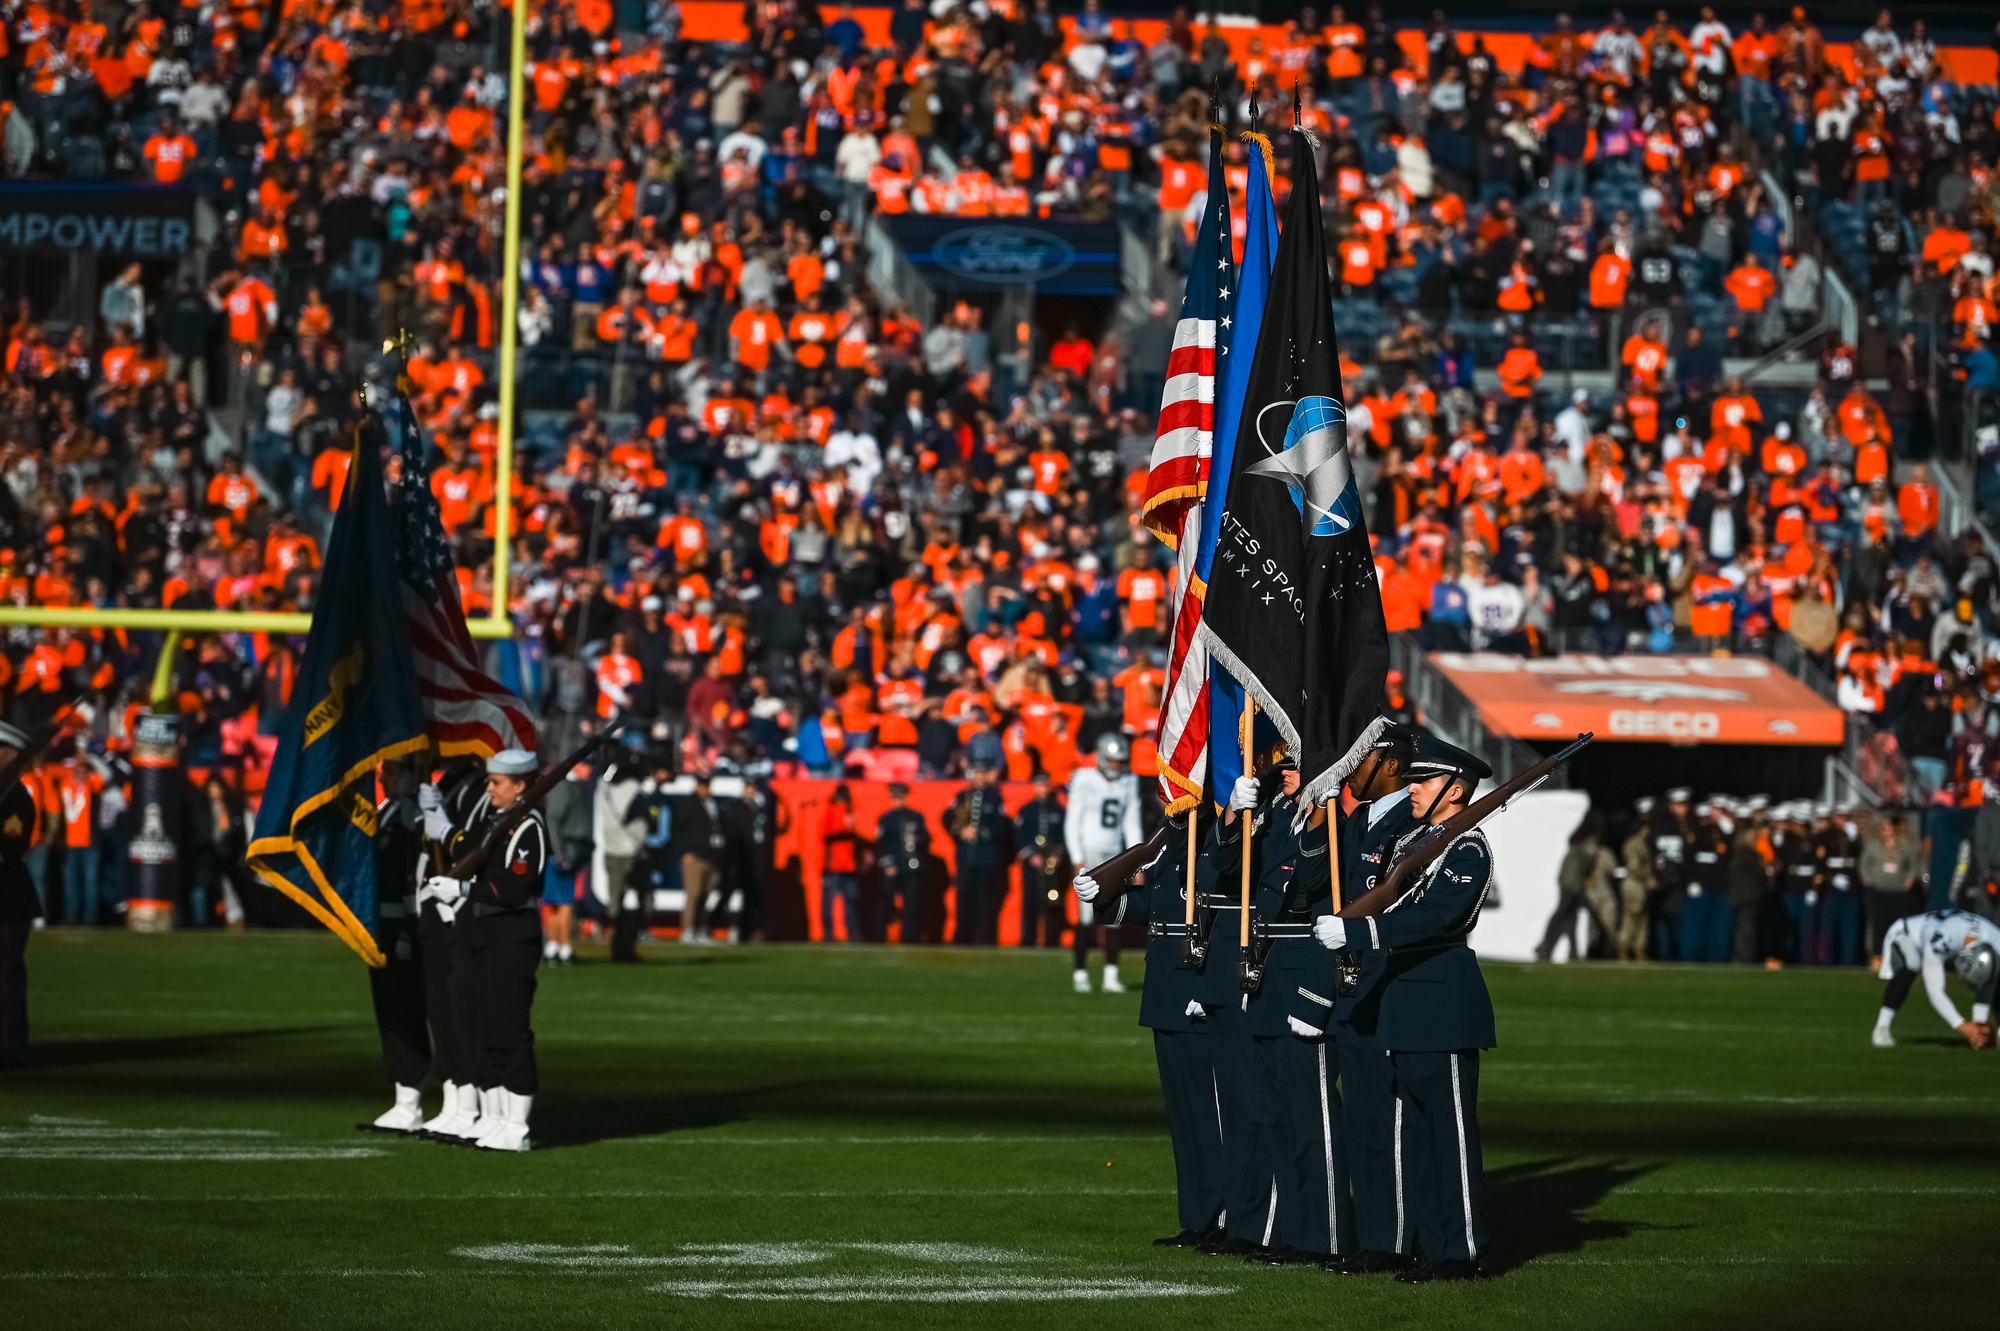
[1326,1143]
[1398,1138]
[1464,1173]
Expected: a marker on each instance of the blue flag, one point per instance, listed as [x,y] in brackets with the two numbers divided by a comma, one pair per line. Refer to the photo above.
[355,705]
[1236,348]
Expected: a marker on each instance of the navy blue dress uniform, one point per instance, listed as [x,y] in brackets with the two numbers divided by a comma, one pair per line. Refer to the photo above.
[902,850]
[1264,1206]
[445,808]
[397,987]
[1424,1002]
[1369,838]
[1184,1044]
[1287,1017]
[496,948]
[1241,1107]
[19,905]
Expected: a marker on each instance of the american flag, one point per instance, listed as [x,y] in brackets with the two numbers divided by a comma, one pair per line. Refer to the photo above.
[1178,481]
[466,710]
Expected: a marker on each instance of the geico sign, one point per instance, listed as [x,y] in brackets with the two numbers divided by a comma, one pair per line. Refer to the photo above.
[1666,725]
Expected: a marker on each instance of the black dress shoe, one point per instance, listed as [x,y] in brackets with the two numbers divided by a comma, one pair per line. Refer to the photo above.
[1280,1255]
[1368,1263]
[1224,1246]
[1187,1238]
[1451,1269]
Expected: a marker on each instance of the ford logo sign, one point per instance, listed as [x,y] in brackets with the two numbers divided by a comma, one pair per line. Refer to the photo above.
[1003,253]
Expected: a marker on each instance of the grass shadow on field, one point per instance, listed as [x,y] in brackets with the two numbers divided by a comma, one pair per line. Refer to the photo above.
[1539,1208]
[47,1054]
[580,1123]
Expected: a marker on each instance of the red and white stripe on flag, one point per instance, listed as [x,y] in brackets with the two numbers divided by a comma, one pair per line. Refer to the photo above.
[468,710]
[1186,433]
[1184,708]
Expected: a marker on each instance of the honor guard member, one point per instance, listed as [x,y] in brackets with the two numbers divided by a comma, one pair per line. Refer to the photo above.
[1184,1038]
[985,848]
[1925,945]
[397,986]
[1673,837]
[902,848]
[1705,926]
[497,944]
[1425,1001]
[444,808]
[1249,1116]
[1837,939]
[1288,1015]
[1102,819]
[1798,854]
[1045,867]
[1381,822]
[19,903]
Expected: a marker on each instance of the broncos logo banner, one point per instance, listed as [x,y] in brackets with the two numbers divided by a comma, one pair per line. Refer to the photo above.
[1294,611]
[355,705]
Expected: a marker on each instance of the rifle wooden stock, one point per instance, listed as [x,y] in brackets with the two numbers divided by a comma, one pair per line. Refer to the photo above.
[18,765]
[474,859]
[1376,898]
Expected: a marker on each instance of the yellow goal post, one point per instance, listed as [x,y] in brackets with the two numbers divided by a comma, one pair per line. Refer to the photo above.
[494,624]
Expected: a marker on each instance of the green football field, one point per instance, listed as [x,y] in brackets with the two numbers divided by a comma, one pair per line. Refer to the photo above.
[784,1136]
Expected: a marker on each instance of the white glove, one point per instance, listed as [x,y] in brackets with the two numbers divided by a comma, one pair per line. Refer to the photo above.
[441,888]
[437,825]
[1086,888]
[1195,1009]
[429,797]
[1243,795]
[1331,931]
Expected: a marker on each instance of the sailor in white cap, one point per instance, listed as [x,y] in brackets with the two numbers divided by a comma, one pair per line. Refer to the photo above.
[19,903]
[496,945]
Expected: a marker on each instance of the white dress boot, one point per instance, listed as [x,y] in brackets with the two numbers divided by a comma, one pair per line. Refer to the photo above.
[511,1133]
[448,1113]
[1080,981]
[406,1115]
[493,1115]
[1112,985]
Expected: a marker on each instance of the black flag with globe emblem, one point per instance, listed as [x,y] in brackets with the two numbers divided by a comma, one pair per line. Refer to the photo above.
[1294,610]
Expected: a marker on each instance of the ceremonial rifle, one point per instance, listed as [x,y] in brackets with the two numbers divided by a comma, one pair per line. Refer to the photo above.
[474,859]
[1427,850]
[37,745]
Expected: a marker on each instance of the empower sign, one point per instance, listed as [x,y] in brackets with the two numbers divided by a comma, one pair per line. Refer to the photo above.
[141,221]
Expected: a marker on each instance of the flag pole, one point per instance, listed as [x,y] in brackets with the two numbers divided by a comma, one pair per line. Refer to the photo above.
[1243,730]
[1333,845]
[1190,867]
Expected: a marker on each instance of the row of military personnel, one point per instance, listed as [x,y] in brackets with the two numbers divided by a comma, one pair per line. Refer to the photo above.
[1322,1087]
[1740,880]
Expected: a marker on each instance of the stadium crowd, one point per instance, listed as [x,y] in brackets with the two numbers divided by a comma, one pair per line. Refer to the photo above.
[793,528]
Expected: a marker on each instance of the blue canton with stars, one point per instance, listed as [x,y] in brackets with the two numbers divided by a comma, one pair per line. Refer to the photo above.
[422,555]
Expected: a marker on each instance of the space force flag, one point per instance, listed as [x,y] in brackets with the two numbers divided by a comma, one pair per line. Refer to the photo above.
[1293,611]
[354,706]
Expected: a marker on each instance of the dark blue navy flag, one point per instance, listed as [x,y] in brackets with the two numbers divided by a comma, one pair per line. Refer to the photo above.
[355,706]
[1293,609]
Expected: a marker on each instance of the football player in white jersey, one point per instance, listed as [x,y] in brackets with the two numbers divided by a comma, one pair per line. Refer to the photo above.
[1102,819]
[1925,945]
